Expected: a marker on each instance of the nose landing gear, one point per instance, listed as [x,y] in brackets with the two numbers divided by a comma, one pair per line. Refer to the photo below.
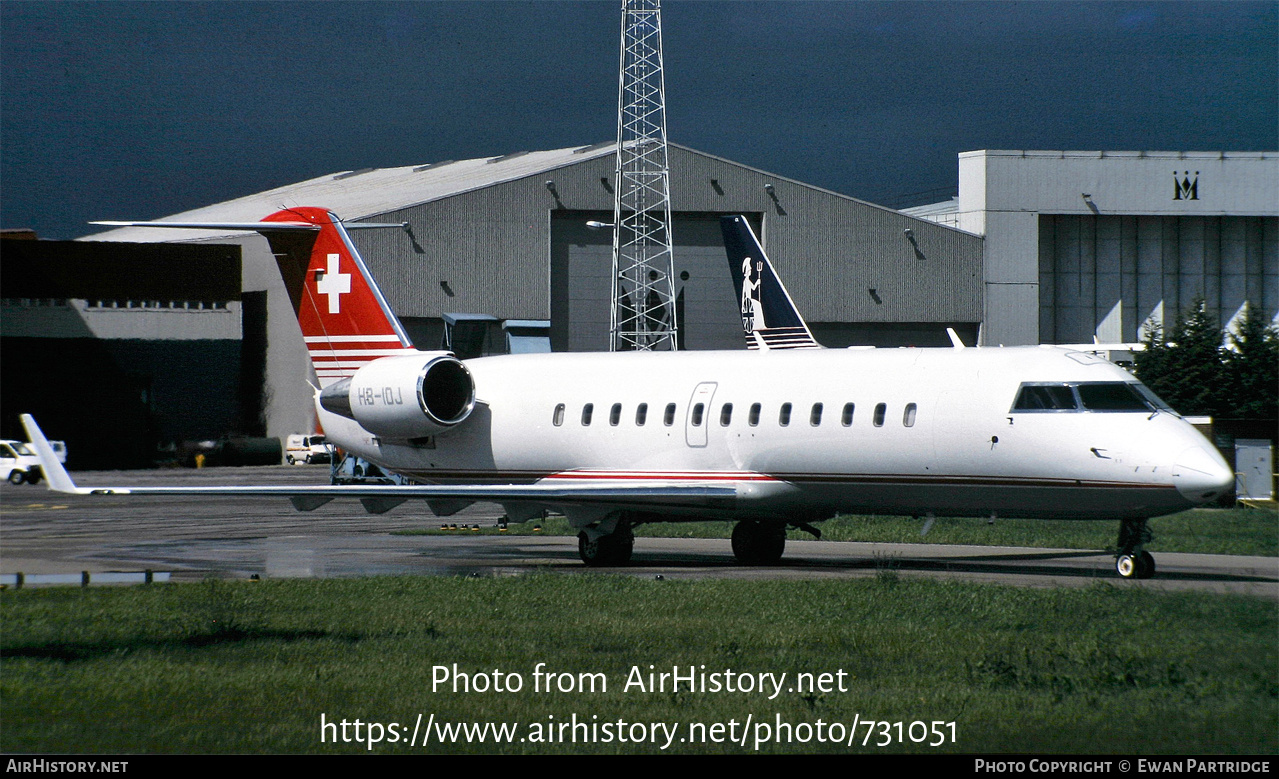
[1134,562]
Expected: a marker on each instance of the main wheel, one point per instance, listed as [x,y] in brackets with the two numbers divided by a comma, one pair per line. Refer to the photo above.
[759,543]
[17,477]
[605,551]
[289,458]
[34,476]
[1126,566]
[1145,565]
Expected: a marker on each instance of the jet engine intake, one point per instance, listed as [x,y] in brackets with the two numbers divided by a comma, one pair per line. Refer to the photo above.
[410,396]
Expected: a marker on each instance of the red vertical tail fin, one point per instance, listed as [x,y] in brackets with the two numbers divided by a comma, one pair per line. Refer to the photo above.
[344,317]
[345,320]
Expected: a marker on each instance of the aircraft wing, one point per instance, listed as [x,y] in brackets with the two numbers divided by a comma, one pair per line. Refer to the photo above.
[378,498]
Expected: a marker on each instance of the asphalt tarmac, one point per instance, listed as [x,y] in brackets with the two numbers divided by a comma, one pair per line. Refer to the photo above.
[192,538]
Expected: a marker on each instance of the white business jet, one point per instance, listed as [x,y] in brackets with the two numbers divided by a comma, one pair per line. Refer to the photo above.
[785,434]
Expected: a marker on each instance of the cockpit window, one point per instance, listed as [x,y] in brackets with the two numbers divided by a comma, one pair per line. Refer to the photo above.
[1109,396]
[1045,397]
[1151,398]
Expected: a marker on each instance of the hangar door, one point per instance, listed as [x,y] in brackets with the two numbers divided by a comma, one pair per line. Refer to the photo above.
[1107,275]
[582,261]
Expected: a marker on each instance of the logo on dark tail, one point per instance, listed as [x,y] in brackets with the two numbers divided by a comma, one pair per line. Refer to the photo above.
[751,312]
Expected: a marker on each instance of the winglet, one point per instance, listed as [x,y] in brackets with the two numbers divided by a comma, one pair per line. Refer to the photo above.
[59,479]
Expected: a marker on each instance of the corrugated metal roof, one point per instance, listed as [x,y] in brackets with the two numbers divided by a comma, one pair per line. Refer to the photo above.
[360,194]
[933,209]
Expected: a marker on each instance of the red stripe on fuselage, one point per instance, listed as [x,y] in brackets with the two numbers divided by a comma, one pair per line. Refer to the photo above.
[660,476]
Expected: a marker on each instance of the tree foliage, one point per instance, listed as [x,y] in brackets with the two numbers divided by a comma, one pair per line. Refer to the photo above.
[1191,368]
[1252,367]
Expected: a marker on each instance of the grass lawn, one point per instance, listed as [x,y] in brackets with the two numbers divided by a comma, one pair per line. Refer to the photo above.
[252,667]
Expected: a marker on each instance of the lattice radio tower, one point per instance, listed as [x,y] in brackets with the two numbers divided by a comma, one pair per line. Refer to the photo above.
[643,316]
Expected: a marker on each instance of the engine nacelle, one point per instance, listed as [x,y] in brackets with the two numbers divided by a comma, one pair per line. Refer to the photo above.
[410,396]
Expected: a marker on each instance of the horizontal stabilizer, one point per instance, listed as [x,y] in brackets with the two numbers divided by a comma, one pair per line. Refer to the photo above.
[253,227]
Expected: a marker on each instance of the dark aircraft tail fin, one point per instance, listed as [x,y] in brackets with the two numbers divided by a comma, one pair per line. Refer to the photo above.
[769,317]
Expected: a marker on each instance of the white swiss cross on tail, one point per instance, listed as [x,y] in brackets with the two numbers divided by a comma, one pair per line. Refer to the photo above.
[334,284]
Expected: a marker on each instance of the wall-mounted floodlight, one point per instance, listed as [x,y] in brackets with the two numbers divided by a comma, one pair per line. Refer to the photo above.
[910,236]
[550,187]
[600,225]
[772,193]
[1088,202]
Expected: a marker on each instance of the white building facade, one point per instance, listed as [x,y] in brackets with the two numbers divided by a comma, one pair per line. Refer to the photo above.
[1086,244]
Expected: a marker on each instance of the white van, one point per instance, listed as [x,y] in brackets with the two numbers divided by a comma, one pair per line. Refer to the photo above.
[19,463]
[307,449]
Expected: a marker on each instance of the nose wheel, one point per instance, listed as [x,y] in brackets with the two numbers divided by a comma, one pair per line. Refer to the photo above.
[1134,562]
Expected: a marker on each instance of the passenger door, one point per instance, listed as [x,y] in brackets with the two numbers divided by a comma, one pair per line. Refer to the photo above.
[699,409]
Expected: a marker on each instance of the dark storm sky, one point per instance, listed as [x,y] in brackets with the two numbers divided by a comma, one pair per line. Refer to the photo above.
[137,110]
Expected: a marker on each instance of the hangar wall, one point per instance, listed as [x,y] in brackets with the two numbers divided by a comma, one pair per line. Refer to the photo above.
[706,303]
[159,335]
[1084,243]
[492,245]
[483,235]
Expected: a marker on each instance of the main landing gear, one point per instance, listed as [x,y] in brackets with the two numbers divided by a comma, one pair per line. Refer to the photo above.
[759,543]
[609,541]
[609,549]
[1134,562]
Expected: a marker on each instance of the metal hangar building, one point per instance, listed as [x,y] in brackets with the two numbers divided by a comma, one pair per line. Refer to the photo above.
[1095,244]
[504,240]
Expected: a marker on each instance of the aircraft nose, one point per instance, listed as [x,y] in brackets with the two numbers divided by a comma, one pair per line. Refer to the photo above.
[1201,476]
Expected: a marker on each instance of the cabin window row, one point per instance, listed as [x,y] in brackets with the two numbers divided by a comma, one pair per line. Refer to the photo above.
[698,415]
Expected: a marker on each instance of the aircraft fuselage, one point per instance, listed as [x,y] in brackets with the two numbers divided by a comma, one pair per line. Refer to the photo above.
[807,434]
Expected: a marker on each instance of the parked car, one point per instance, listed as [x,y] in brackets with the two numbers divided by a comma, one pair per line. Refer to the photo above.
[307,449]
[18,463]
